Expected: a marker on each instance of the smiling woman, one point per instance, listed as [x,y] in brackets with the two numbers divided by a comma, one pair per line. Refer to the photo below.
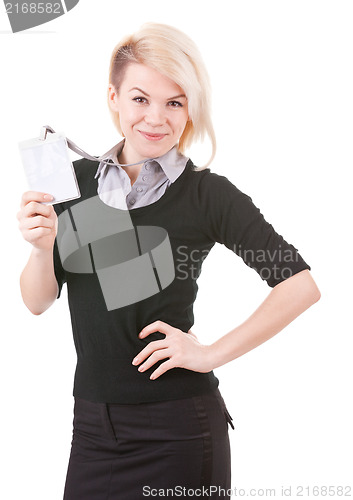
[172,63]
[148,412]
[152,122]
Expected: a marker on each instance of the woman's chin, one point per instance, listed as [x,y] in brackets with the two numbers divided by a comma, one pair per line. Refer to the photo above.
[154,151]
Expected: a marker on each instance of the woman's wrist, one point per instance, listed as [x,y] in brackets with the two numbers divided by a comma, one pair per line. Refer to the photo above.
[230,346]
[213,356]
[42,253]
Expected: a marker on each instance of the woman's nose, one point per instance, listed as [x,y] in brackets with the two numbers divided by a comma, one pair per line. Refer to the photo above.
[155,115]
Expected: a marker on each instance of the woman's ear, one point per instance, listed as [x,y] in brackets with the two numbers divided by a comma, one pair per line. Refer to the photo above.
[113,98]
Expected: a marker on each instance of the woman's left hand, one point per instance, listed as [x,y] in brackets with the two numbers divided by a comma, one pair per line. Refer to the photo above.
[182,349]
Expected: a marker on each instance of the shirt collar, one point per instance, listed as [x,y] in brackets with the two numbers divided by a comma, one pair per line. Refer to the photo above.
[172,162]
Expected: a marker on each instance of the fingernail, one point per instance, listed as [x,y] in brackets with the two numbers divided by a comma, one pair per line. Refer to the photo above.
[135,361]
[48,197]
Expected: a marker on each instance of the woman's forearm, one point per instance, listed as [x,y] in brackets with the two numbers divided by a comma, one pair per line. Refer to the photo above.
[285,302]
[39,287]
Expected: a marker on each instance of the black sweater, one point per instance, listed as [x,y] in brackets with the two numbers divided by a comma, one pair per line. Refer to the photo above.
[199,209]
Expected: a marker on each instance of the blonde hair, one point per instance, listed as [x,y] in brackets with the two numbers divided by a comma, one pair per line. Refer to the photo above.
[175,55]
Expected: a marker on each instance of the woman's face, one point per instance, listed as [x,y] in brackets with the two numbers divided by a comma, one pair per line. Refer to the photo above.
[153,112]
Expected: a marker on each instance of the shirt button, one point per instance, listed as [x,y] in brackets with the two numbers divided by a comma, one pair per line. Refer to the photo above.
[144,178]
[147,167]
[132,201]
[139,189]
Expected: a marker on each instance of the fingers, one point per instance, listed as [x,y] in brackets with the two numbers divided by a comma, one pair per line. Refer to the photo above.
[156,356]
[34,235]
[37,221]
[37,196]
[148,350]
[33,222]
[163,368]
[158,325]
[32,205]
[33,208]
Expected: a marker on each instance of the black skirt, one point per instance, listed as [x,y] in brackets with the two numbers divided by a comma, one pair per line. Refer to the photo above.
[178,448]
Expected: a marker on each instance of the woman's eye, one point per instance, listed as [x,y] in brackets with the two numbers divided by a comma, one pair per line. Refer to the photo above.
[139,99]
[176,104]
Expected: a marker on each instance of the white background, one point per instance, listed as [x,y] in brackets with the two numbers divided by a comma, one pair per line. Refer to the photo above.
[282,80]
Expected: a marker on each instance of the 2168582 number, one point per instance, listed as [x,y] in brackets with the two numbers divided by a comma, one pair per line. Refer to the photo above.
[33,8]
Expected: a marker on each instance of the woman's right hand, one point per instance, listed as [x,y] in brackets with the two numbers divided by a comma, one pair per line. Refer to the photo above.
[38,223]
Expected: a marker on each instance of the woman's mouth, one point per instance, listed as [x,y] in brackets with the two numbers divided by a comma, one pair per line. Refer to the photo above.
[152,137]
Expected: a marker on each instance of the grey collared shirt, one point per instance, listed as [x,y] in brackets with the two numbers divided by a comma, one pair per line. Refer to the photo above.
[114,184]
